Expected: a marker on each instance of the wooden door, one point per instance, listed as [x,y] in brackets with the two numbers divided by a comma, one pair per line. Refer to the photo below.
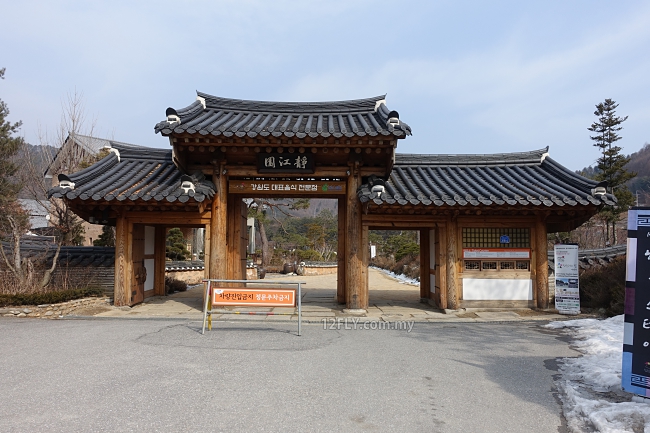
[139,271]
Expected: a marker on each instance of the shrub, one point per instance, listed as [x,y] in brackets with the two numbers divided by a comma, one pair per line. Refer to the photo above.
[173,285]
[604,287]
[309,255]
[383,262]
[53,297]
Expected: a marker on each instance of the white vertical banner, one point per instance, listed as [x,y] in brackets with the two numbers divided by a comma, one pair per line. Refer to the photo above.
[567,282]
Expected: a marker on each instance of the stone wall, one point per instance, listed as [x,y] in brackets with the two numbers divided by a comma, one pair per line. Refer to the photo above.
[55,311]
[191,277]
[309,269]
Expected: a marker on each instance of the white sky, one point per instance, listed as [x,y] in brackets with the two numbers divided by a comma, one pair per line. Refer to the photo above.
[468,77]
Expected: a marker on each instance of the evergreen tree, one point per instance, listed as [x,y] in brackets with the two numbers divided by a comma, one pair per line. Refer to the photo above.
[107,238]
[10,145]
[176,245]
[611,164]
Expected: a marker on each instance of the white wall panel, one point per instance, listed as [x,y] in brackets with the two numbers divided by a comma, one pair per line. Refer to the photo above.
[475,289]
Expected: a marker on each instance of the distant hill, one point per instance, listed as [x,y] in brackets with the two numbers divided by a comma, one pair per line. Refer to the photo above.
[316,206]
[640,164]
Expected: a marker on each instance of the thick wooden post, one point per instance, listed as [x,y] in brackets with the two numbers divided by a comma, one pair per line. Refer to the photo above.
[541,262]
[356,299]
[160,239]
[452,278]
[441,269]
[121,294]
[219,227]
[340,254]
[425,262]
[365,262]
[232,241]
[206,252]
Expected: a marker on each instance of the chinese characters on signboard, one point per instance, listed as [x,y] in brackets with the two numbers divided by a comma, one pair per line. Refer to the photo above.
[567,283]
[285,163]
[636,336]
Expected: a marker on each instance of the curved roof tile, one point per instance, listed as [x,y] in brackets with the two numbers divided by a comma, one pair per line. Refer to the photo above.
[527,178]
[137,173]
[223,116]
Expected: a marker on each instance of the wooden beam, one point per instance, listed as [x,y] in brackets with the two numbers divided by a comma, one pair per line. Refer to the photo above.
[342,230]
[122,284]
[160,238]
[356,293]
[541,262]
[452,280]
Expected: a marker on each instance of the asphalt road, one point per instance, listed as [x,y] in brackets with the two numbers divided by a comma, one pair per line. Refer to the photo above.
[120,375]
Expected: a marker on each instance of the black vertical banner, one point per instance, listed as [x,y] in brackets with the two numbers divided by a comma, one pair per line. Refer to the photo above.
[641,349]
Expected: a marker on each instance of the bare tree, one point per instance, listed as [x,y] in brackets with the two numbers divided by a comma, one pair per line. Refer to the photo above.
[53,156]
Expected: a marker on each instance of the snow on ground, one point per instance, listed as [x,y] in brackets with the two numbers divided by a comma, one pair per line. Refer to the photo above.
[590,386]
[403,279]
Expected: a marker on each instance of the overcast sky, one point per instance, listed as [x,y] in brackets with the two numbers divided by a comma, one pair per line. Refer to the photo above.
[467,76]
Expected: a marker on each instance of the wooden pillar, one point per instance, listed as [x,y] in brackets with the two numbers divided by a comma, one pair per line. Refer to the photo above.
[425,262]
[232,239]
[160,239]
[365,261]
[206,252]
[441,269]
[452,277]
[218,227]
[541,262]
[340,254]
[121,294]
[356,299]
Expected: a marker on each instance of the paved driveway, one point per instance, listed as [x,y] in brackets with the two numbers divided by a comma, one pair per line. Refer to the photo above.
[146,375]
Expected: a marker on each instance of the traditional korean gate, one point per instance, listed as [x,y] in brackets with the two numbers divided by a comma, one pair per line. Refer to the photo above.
[139,271]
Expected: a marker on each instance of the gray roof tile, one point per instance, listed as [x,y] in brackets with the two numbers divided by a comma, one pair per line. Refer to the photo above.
[526,178]
[228,117]
[139,173]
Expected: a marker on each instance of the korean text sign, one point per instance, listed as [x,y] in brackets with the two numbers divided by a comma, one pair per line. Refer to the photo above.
[636,330]
[567,282]
[254,297]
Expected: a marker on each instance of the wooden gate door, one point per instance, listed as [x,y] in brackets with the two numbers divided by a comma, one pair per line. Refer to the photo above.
[139,271]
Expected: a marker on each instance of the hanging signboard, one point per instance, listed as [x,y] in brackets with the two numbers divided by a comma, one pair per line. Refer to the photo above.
[636,334]
[496,253]
[567,282]
[285,188]
[285,163]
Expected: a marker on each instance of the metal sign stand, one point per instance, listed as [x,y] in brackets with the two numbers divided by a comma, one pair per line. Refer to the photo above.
[207,302]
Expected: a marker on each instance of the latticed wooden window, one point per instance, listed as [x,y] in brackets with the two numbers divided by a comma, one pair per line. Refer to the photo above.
[489,266]
[523,265]
[472,265]
[506,266]
[490,237]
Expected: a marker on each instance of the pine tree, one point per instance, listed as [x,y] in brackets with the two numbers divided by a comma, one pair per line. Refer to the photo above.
[10,145]
[611,164]
[107,238]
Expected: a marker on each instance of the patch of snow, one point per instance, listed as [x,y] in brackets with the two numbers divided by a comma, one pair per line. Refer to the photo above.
[590,385]
[403,279]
